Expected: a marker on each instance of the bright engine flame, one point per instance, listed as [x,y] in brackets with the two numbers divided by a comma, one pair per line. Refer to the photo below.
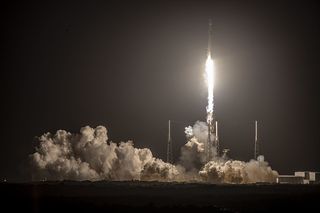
[210,77]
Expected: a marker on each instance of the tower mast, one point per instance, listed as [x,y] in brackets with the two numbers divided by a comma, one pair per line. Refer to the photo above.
[169,145]
[216,139]
[256,143]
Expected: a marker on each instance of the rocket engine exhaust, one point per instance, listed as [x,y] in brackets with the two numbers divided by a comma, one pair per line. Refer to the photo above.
[210,79]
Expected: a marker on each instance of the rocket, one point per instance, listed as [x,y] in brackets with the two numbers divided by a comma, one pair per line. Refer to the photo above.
[209,38]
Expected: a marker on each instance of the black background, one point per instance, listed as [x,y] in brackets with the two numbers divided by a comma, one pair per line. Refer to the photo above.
[131,66]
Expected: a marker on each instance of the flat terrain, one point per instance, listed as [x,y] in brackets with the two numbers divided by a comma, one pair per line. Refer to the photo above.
[157,196]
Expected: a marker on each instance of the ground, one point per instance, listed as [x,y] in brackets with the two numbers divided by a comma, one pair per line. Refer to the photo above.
[157,196]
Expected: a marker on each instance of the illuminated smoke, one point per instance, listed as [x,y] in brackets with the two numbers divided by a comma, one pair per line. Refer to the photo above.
[193,152]
[220,170]
[234,171]
[90,156]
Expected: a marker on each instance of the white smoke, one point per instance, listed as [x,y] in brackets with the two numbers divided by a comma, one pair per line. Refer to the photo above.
[193,154]
[234,171]
[89,156]
[220,169]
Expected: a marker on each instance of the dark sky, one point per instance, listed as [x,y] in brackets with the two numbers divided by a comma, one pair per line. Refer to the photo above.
[133,66]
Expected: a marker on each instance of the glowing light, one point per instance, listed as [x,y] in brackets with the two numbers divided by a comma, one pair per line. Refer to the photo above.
[210,77]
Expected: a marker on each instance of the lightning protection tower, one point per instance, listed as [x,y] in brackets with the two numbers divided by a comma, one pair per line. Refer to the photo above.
[256,142]
[169,145]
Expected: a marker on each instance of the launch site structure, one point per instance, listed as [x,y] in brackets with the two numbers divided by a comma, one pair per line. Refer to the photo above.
[169,145]
[256,142]
[216,139]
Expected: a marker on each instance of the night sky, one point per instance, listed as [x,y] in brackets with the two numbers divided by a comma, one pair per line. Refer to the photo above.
[133,66]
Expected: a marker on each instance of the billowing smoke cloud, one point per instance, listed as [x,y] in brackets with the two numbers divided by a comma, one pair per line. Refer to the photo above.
[193,152]
[90,156]
[234,171]
[220,169]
